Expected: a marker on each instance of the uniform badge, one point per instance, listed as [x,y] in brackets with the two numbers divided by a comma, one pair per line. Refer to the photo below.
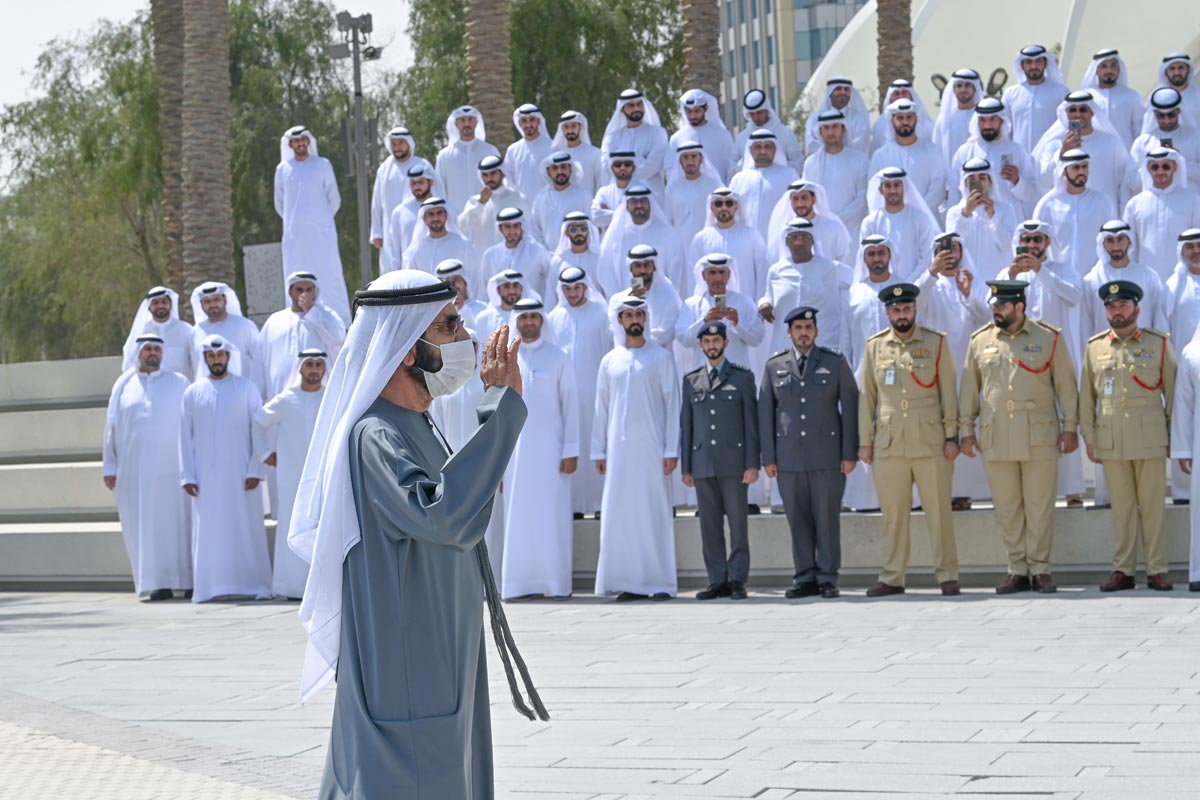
[1113,288]
[990,349]
[897,291]
[821,371]
[921,352]
[1033,348]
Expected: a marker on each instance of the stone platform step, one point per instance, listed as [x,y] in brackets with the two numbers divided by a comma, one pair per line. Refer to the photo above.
[47,555]
[80,383]
[55,435]
[34,489]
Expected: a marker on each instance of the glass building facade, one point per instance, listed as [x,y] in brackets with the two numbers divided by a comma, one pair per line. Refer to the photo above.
[775,45]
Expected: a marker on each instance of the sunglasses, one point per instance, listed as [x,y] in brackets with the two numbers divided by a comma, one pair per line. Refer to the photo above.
[578,228]
[1078,109]
[1038,239]
[724,203]
[1161,166]
[450,325]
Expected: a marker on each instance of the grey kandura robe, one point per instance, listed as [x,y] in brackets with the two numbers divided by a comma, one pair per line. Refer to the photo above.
[411,719]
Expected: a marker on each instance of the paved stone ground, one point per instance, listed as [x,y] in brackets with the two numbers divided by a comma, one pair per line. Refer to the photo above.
[1075,696]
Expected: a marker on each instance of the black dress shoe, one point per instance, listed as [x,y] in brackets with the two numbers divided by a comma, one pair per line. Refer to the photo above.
[737,590]
[714,591]
[828,590]
[661,596]
[1182,502]
[1194,586]
[524,598]
[803,590]
[295,599]
[753,509]
[161,594]
[629,597]
[577,515]
[187,595]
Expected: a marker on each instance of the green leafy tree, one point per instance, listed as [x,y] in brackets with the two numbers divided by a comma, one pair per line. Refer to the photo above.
[82,227]
[564,55]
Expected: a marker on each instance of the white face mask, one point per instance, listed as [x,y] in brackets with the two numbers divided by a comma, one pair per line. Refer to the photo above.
[458,365]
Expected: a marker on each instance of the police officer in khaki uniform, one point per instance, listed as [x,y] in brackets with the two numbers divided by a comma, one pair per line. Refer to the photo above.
[908,429]
[719,456]
[1017,369]
[1125,398]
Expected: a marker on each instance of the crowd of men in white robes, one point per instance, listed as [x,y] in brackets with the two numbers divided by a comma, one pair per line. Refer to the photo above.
[1066,189]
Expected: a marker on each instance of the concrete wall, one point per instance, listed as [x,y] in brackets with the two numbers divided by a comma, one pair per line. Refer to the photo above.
[87,554]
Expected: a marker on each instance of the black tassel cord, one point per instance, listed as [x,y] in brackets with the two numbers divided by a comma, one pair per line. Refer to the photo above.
[506,645]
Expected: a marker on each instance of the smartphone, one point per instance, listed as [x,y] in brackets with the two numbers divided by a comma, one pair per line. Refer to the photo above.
[1022,249]
[1168,143]
[638,282]
[719,301]
[1005,160]
[945,245]
[973,183]
[1076,126]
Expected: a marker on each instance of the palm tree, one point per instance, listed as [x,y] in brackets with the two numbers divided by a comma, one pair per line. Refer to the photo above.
[489,66]
[702,46]
[893,37]
[166,17]
[206,151]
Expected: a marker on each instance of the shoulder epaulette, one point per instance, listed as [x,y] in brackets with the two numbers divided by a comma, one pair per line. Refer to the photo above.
[883,332]
[693,372]
[1097,336]
[935,331]
[989,326]
[1155,332]
[1047,326]
[830,350]
[785,351]
[738,367]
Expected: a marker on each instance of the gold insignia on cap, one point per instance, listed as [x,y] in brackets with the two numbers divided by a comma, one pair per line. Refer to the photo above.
[897,291]
[995,290]
[1113,288]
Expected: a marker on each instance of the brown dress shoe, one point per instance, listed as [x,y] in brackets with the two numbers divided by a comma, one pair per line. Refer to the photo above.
[950,588]
[1158,582]
[1013,584]
[1044,583]
[882,589]
[1118,582]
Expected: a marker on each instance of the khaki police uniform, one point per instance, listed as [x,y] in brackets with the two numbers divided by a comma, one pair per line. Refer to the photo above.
[1125,399]
[1011,385]
[907,412]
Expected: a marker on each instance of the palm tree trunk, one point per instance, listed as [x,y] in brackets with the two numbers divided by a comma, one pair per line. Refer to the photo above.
[893,36]
[207,181]
[489,66]
[166,17]
[702,46]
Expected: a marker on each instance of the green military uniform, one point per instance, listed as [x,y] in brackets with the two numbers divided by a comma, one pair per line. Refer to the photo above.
[907,411]
[1011,383]
[1125,399]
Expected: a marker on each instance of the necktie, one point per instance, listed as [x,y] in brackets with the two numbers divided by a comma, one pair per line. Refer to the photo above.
[712,376]
[803,361]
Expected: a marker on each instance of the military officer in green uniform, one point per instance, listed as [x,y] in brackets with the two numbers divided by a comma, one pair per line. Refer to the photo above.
[719,454]
[908,429]
[1125,398]
[1019,384]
